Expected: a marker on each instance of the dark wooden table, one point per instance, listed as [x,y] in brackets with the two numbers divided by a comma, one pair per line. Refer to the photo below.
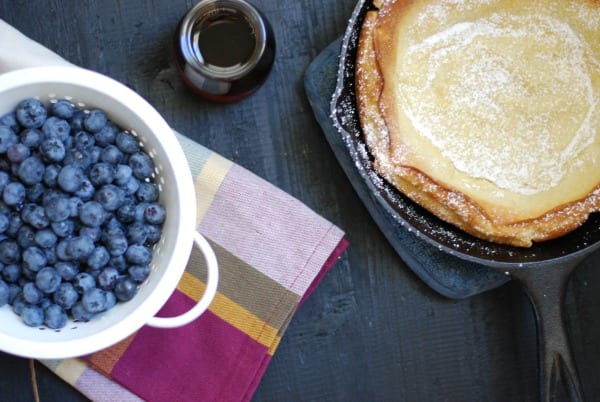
[372,330]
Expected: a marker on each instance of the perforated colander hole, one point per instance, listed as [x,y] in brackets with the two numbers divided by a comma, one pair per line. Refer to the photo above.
[157,169]
[141,140]
[52,330]
[160,183]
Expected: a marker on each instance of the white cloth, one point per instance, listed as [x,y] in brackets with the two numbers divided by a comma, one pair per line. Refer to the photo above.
[18,51]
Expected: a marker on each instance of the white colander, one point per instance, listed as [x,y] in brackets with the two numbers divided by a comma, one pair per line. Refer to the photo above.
[127,109]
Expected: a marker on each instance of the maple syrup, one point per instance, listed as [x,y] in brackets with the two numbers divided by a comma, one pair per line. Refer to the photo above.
[224,49]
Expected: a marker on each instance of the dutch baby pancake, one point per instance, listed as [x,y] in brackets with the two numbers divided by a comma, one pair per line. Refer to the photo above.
[486,112]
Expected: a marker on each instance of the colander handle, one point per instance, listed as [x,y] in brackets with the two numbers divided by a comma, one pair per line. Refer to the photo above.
[207,297]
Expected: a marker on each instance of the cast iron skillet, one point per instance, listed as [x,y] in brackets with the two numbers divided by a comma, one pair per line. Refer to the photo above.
[543,269]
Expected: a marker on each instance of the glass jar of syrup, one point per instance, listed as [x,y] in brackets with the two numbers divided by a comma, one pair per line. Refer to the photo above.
[224,49]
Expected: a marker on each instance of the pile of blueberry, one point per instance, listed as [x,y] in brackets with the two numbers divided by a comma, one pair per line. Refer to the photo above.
[79,213]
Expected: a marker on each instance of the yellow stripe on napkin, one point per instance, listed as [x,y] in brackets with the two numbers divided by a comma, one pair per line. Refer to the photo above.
[232,313]
[208,181]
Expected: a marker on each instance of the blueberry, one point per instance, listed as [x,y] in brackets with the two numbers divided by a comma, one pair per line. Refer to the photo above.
[70,178]
[94,121]
[106,135]
[111,300]
[112,154]
[79,313]
[37,217]
[140,211]
[155,214]
[136,233]
[14,224]
[19,303]
[87,190]
[83,281]
[116,245]
[8,138]
[147,192]
[25,236]
[11,273]
[51,255]
[131,186]
[75,204]
[32,294]
[27,209]
[141,164]
[4,222]
[76,121]
[81,158]
[119,263]
[122,174]
[66,295]
[31,170]
[125,289]
[34,258]
[66,270]
[10,252]
[35,192]
[14,193]
[126,213]
[94,154]
[31,137]
[32,315]
[83,140]
[14,291]
[58,209]
[55,127]
[127,142]
[93,232]
[138,273]
[10,120]
[113,226]
[53,149]
[51,175]
[4,293]
[64,228]
[108,278]
[110,196]
[94,300]
[47,280]
[101,173]
[30,210]
[62,108]
[92,214]
[55,316]
[138,254]
[62,252]
[98,258]
[80,247]
[17,153]
[31,113]
[4,180]
[51,194]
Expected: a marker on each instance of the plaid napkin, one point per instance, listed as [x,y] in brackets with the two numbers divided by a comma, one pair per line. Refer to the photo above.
[272,251]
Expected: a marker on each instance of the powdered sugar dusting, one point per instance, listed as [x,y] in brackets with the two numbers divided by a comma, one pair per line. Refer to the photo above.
[439,11]
[489,112]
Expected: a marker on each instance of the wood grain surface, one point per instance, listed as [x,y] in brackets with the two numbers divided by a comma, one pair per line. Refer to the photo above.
[372,331]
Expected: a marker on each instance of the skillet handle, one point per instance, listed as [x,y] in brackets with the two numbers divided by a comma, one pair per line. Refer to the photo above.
[557,374]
